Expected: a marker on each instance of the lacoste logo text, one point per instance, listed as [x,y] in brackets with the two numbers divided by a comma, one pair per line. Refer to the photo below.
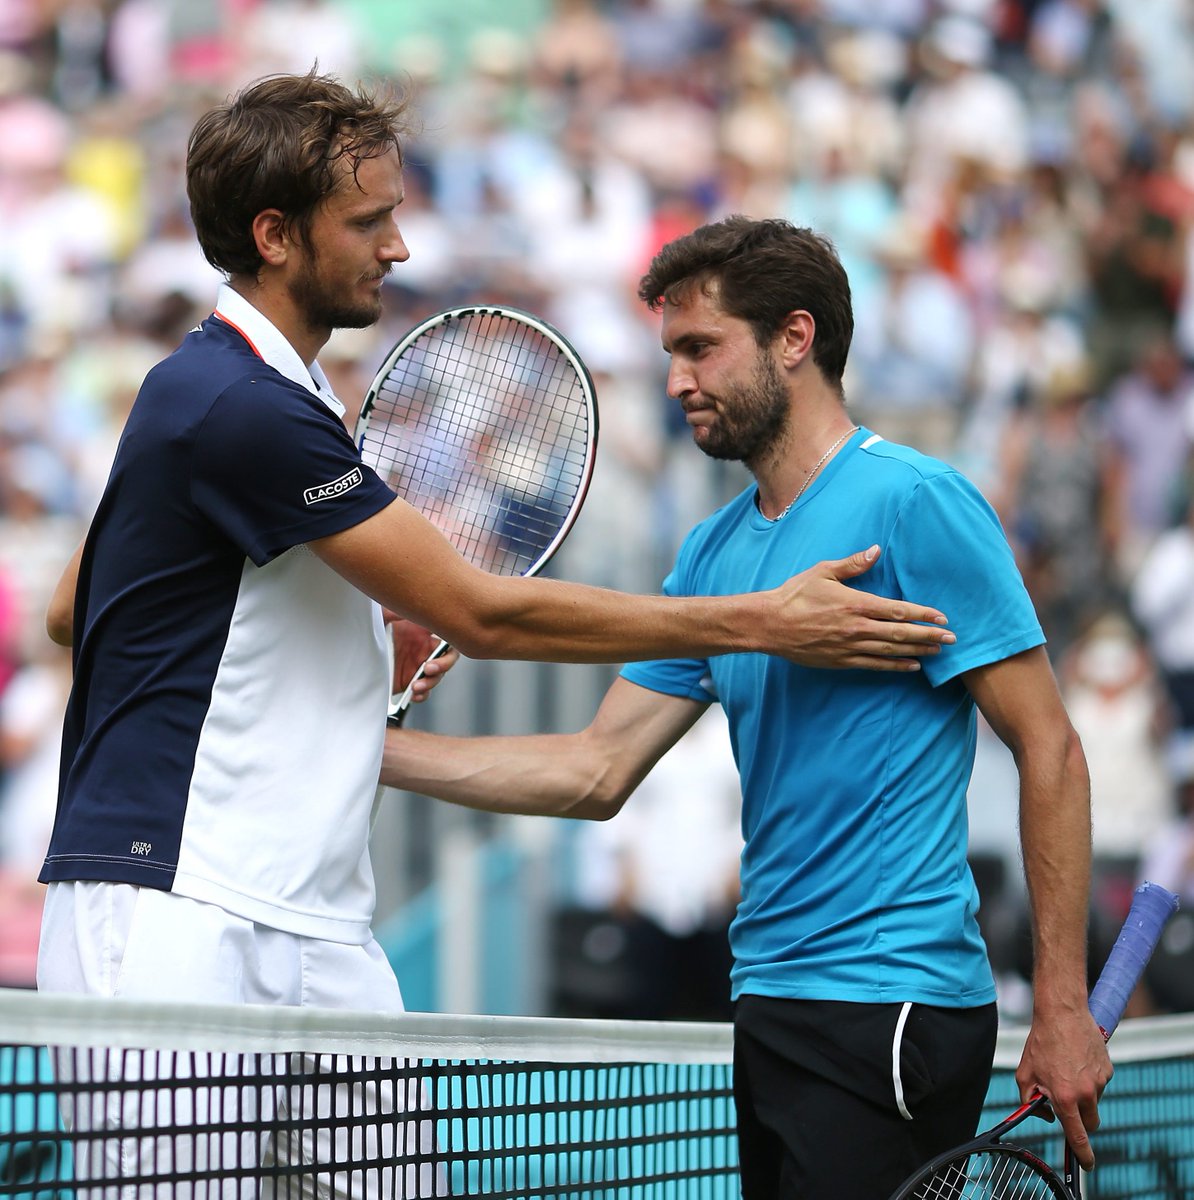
[329,491]
[141,848]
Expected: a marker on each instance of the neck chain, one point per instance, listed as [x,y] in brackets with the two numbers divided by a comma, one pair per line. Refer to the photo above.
[813,474]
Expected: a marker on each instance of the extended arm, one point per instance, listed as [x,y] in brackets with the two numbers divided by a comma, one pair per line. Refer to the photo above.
[402,561]
[587,774]
[1064,1056]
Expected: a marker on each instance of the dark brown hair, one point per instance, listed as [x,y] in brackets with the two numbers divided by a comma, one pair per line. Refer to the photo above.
[760,271]
[277,144]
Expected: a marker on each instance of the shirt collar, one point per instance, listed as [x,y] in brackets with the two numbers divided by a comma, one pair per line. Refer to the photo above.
[272,347]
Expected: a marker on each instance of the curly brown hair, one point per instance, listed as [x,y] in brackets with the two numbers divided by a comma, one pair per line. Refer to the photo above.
[278,144]
[761,270]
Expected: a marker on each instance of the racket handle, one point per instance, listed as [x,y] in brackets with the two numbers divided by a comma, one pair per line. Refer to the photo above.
[399,704]
[1152,906]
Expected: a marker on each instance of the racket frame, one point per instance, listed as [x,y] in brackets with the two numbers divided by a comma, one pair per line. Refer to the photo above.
[992,1139]
[399,704]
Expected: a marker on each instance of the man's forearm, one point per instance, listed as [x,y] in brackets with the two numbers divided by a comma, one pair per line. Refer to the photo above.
[813,618]
[1064,1055]
[1055,839]
[535,775]
[588,774]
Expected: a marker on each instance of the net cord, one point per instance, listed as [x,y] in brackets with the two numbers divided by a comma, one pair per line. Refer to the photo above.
[34,1018]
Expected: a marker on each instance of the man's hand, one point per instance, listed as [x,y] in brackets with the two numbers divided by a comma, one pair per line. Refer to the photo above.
[842,627]
[1065,1058]
[412,645]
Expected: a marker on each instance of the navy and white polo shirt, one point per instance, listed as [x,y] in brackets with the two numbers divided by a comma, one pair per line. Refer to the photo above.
[224,733]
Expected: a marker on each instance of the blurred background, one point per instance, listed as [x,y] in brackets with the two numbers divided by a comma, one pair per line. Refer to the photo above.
[1010,184]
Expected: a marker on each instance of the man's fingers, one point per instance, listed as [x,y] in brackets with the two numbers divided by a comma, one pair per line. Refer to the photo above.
[877,662]
[905,638]
[432,673]
[892,610]
[913,617]
[1076,1136]
[894,648]
[855,565]
[441,665]
[904,631]
[879,608]
[1078,1120]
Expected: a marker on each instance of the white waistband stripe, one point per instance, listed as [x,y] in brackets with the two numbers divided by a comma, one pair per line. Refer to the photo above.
[896,1043]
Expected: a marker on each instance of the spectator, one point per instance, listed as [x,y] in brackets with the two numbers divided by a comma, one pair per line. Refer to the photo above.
[1059,503]
[1025,343]
[1134,256]
[1162,600]
[31,711]
[57,240]
[577,54]
[289,35]
[1169,857]
[910,375]
[1169,861]
[1150,420]
[961,110]
[1117,704]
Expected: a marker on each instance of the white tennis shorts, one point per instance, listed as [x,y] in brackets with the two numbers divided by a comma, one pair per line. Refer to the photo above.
[115,939]
[108,939]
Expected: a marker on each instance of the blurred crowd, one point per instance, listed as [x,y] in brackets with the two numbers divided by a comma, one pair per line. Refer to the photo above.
[1010,184]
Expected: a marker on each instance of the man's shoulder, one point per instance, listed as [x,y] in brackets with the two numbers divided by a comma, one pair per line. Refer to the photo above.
[205,363]
[214,362]
[903,462]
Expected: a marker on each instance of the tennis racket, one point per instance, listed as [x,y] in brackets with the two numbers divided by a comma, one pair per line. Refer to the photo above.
[990,1169]
[485,420]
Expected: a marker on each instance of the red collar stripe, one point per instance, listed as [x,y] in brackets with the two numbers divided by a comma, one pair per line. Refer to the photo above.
[239,330]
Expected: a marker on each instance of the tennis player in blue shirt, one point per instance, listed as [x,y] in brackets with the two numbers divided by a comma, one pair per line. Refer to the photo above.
[865,1018]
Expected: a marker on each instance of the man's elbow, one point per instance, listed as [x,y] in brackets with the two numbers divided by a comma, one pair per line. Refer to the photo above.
[608,788]
[60,626]
[601,806]
[1074,753]
[595,808]
[476,637]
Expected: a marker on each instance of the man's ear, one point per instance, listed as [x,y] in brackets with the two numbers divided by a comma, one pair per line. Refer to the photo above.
[796,337]
[270,233]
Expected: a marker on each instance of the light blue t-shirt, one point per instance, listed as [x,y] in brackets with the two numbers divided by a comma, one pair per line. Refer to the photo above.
[854,877]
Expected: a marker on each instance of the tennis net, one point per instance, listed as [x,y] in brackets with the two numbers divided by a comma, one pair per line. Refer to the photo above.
[111,1100]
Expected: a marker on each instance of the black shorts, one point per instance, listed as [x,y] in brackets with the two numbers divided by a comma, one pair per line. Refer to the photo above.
[842,1101]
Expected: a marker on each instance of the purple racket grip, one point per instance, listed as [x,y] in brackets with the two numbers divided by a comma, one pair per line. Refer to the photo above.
[1152,906]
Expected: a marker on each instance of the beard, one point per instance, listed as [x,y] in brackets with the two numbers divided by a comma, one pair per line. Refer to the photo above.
[323,308]
[754,419]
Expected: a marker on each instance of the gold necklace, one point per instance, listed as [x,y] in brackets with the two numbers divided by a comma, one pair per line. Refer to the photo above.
[812,474]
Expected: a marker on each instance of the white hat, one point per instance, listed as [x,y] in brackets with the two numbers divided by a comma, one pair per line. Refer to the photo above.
[961,40]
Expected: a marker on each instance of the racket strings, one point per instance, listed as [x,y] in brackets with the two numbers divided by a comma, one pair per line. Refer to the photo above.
[993,1174]
[482,424]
